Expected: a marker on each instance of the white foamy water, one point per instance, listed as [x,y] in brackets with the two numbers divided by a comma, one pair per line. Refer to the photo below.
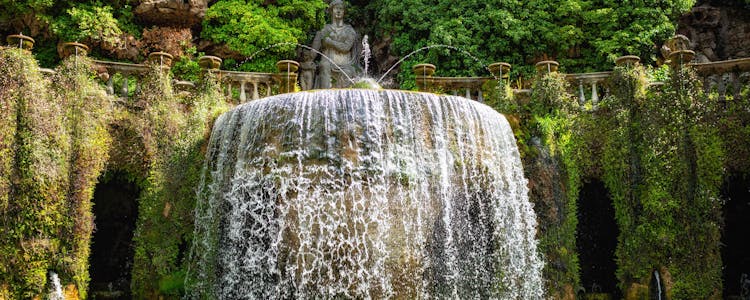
[364,194]
[55,292]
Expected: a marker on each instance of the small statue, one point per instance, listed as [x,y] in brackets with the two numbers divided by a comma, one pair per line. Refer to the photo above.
[307,70]
[337,41]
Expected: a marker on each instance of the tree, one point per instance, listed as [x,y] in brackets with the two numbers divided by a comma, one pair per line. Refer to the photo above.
[585,35]
[262,30]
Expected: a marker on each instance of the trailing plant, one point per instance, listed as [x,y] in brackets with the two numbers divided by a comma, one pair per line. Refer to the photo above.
[663,166]
[175,131]
[88,114]
[56,147]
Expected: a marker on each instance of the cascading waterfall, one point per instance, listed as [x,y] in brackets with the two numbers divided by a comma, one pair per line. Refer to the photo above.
[364,194]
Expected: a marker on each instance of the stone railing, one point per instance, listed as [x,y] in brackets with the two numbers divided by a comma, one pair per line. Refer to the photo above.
[245,83]
[723,78]
[126,70]
[469,87]
[726,78]
[591,86]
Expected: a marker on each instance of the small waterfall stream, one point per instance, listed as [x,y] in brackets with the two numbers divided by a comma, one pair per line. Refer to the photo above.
[55,292]
[364,194]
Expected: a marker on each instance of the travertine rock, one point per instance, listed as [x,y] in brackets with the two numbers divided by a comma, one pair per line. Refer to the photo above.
[717,30]
[179,13]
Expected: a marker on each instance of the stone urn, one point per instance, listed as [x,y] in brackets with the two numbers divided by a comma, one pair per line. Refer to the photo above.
[73,48]
[425,70]
[287,66]
[20,40]
[680,57]
[627,60]
[500,70]
[209,62]
[163,59]
[549,66]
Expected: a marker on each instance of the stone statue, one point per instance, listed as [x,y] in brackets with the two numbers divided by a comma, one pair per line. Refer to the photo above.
[307,70]
[338,42]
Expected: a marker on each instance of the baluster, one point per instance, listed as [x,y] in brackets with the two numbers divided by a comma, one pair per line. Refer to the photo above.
[455,92]
[468,93]
[268,89]
[255,90]
[737,85]
[480,97]
[581,94]
[243,96]
[124,88]
[229,90]
[137,85]
[594,95]
[722,89]
[111,85]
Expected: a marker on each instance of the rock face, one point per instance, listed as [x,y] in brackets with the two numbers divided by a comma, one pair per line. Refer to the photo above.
[717,30]
[182,13]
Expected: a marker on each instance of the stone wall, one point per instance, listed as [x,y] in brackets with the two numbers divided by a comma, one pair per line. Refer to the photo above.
[718,30]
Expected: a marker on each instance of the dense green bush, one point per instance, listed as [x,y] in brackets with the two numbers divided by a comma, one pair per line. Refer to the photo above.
[265,31]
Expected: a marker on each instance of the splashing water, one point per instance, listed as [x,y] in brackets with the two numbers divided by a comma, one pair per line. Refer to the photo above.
[363,194]
[366,53]
[302,46]
[55,292]
[481,63]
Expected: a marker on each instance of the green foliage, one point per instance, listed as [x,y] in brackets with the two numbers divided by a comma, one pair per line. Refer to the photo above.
[87,116]
[34,212]
[549,145]
[186,67]
[663,163]
[55,155]
[267,31]
[584,35]
[94,22]
[549,95]
[176,136]
[53,21]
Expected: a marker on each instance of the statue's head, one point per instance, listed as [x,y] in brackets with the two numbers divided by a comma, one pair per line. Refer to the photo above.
[336,3]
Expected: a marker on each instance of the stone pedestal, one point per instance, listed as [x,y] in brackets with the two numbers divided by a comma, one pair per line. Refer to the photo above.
[287,75]
[73,48]
[20,41]
[424,79]
[546,67]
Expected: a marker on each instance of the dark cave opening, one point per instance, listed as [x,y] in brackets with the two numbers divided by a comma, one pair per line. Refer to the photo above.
[111,260]
[596,239]
[735,249]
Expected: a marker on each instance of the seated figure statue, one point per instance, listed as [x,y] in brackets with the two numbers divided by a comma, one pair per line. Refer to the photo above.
[338,41]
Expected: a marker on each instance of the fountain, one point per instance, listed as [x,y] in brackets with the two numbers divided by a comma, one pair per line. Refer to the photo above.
[361,193]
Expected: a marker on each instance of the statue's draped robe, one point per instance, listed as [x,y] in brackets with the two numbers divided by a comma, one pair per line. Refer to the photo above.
[338,43]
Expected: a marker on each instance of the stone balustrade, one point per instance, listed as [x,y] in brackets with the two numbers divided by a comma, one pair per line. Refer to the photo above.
[126,70]
[725,78]
[248,82]
[588,86]
[469,87]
